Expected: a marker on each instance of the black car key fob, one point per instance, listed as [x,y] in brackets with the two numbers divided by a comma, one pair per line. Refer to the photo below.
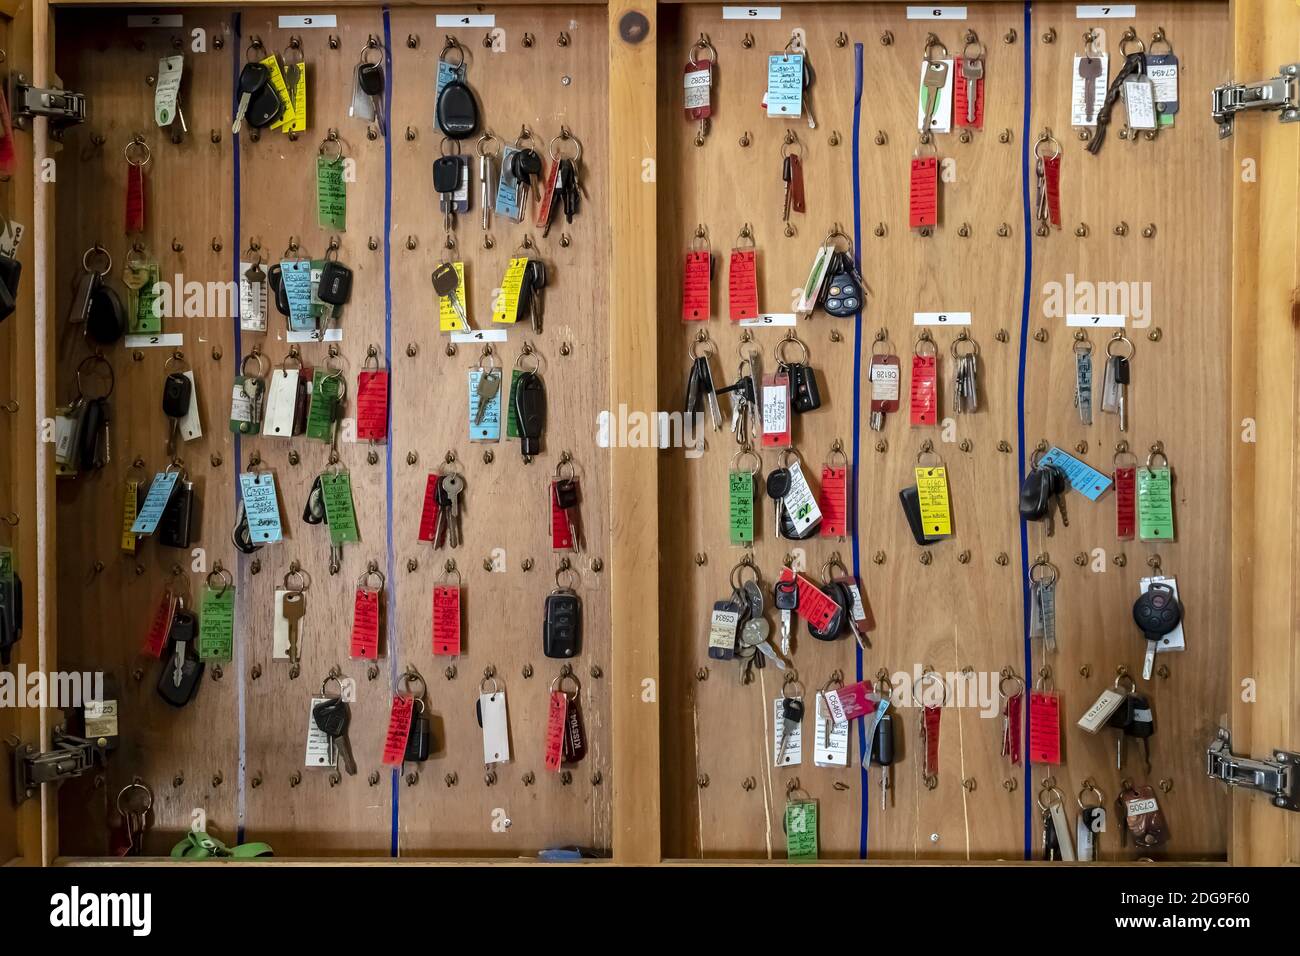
[275,280]
[446,174]
[457,113]
[912,509]
[530,412]
[562,628]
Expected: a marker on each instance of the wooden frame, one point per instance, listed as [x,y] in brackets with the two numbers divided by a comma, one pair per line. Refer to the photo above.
[1265,373]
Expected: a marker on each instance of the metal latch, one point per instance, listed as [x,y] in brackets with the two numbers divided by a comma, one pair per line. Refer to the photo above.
[62,107]
[1278,93]
[1277,777]
[68,757]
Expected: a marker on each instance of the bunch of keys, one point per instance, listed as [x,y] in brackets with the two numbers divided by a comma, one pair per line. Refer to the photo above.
[332,716]
[489,153]
[370,85]
[566,187]
[699,383]
[447,528]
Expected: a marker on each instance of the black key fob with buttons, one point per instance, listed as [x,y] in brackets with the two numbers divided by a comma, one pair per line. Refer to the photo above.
[446,174]
[177,390]
[457,112]
[530,413]
[335,287]
[562,629]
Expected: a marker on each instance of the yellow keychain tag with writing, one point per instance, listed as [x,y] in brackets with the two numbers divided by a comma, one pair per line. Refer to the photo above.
[130,507]
[506,308]
[286,120]
[932,495]
[299,124]
[448,320]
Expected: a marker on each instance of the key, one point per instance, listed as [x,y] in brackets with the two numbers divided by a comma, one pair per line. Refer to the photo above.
[526,164]
[177,392]
[566,497]
[1089,70]
[334,289]
[446,285]
[778,486]
[789,182]
[183,628]
[446,180]
[562,624]
[489,383]
[444,512]
[332,716]
[936,75]
[1121,385]
[1156,613]
[786,595]
[791,715]
[535,277]
[972,69]
[753,595]
[1121,720]
[293,612]
[809,78]
[1142,726]
[487,189]
[569,173]
[453,485]
[252,78]
[530,412]
[882,752]
[370,77]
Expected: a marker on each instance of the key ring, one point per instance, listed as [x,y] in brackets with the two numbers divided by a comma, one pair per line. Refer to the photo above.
[787,455]
[304,579]
[703,343]
[781,346]
[739,456]
[1048,567]
[566,568]
[964,336]
[91,360]
[331,676]
[1121,451]
[525,136]
[1159,37]
[1090,787]
[410,678]
[291,356]
[453,44]
[1012,676]
[1157,451]
[1131,37]
[837,448]
[529,352]
[496,685]
[975,42]
[1045,684]
[925,338]
[702,44]
[292,55]
[89,255]
[929,676]
[489,138]
[1047,137]
[746,236]
[791,139]
[449,570]
[263,364]
[932,41]
[558,684]
[738,573]
[925,140]
[1122,339]
[455,145]
[560,474]
[338,148]
[138,144]
[366,575]
[372,355]
[225,577]
[835,235]
[1052,791]
[372,46]
[565,136]
[177,357]
[835,680]
[1132,684]
[1082,343]
[136,785]
[831,563]
[792,678]
[882,338]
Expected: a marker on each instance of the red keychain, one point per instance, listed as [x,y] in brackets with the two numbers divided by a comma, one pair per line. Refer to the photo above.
[923,195]
[159,625]
[1047,168]
[364,643]
[1125,494]
[1012,716]
[399,729]
[446,615]
[1044,723]
[372,400]
[137,157]
[429,510]
[742,277]
[931,712]
[925,381]
[698,86]
[697,278]
[833,499]
[557,715]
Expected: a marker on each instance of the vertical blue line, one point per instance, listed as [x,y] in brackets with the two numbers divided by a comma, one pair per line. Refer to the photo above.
[1020,389]
[857,425]
[391,617]
[236,49]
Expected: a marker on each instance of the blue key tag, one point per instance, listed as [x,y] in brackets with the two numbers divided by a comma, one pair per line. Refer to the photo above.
[295,274]
[508,198]
[785,84]
[155,502]
[487,426]
[261,506]
[1084,479]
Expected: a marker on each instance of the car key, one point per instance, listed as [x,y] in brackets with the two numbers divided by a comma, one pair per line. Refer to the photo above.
[253,78]
[177,392]
[334,289]
[791,715]
[446,180]
[332,716]
[1156,612]
[447,285]
[786,595]
[562,627]
[882,752]
[524,165]
[370,77]
[778,486]
[530,412]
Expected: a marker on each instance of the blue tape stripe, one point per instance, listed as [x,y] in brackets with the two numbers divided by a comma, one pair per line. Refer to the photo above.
[1027,232]
[857,425]
[241,792]
[391,618]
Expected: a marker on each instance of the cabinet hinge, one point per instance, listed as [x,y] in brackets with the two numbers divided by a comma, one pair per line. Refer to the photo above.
[1279,93]
[1277,777]
[68,757]
[62,108]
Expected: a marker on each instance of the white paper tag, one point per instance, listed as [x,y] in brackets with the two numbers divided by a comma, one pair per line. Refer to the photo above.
[698,85]
[799,502]
[190,427]
[722,629]
[168,86]
[834,753]
[65,436]
[320,746]
[252,301]
[280,630]
[811,290]
[1140,103]
[1096,716]
[496,727]
[1086,320]
[11,233]
[1164,77]
[1062,827]
[281,397]
[885,378]
[941,117]
[1078,104]
[776,409]
[794,743]
[941,318]
[1141,807]
[101,718]
[1174,640]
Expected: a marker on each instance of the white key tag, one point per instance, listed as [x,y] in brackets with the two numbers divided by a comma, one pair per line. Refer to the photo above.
[493,718]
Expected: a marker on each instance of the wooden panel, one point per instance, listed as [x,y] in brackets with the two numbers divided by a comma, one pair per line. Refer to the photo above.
[955,607]
[1178,187]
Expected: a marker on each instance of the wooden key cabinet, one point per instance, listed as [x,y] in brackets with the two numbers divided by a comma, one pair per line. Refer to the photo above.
[1174,248]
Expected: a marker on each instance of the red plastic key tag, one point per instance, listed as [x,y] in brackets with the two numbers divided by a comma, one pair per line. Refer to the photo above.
[834,498]
[137,157]
[697,276]
[925,382]
[364,644]
[446,617]
[1045,727]
[399,729]
[1125,495]
[742,278]
[923,195]
[372,402]
[556,725]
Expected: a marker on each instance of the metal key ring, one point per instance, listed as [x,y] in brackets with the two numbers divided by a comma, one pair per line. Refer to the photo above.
[925,140]
[455,145]
[925,338]
[1052,791]
[491,362]
[376,48]
[929,676]
[1049,139]
[834,237]
[1048,567]
[746,235]
[789,456]
[964,336]
[496,685]
[1081,342]
[488,137]
[366,575]
[225,577]
[409,679]
[1017,679]
[1157,451]
[791,338]
[1122,452]
[450,570]
[1090,787]
[338,148]
[525,136]
[739,456]
[792,679]
[177,357]
[831,563]
[93,360]
[791,140]
[135,785]
[560,473]
[558,684]
[1159,37]
[1131,38]
[292,55]
[931,42]
[1132,684]
[563,569]
[837,448]
[139,144]
[453,44]
[835,680]
[704,344]
[1045,682]
[738,573]
[528,352]
[326,682]
[1122,339]
[976,42]
[700,241]
[88,256]
[304,580]
[263,363]
[565,136]
[702,44]
[291,356]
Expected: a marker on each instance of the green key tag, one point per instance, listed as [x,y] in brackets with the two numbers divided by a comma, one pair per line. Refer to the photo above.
[1155,504]
[801,830]
[217,624]
[325,389]
[512,418]
[337,491]
[331,193]
[148,317]
[741,511]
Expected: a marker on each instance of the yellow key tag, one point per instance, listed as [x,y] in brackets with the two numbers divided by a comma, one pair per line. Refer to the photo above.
[448,320]
[932,494]
[286,120]
[506,308]
[299,124]
[130,507]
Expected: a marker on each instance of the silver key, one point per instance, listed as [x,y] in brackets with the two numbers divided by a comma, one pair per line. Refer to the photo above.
[972,69]
[454,485]
[936,76]
[792,710]
[489,383]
